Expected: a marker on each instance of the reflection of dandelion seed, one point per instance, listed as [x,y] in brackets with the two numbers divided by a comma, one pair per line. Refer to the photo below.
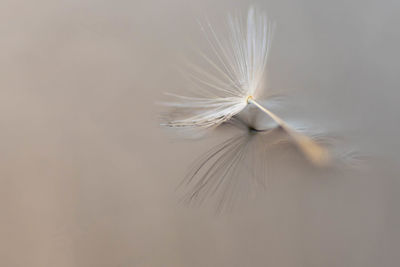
[219,173]
[235,168]
[235,82]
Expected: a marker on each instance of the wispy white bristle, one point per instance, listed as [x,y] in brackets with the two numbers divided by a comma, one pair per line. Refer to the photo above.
[235,72]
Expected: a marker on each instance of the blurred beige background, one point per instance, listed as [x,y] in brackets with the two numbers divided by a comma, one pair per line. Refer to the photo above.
[87,178]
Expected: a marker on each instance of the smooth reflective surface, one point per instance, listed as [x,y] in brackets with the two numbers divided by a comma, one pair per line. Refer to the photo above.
[88,178]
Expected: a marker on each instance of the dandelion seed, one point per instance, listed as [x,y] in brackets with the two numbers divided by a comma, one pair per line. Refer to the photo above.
[234,81]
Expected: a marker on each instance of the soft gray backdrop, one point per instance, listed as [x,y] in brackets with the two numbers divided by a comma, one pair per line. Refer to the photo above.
[87,178]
